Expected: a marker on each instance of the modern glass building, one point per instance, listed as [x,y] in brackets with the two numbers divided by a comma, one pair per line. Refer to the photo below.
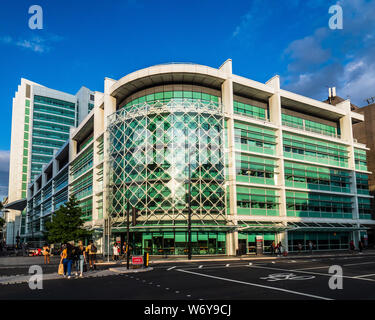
[250,162]
[42,119]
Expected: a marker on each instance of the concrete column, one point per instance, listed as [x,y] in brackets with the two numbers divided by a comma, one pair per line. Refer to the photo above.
[55,167]
[275,118]
[95,170]
[109,108]
[227,100]
[283,237]
[347,135]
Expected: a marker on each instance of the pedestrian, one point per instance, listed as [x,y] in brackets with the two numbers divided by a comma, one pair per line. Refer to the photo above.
[67,259]
[91,251]
[75,260]
[115,252]
[351,246]
[310,246]
[360,246]
[124,250]
[46,253]
[299,247]
[279,248]
[81,258]
[273,247]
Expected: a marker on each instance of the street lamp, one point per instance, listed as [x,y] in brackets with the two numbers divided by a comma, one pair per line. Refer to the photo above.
[189,209]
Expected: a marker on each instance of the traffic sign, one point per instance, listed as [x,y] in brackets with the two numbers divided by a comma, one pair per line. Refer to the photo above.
[136,260]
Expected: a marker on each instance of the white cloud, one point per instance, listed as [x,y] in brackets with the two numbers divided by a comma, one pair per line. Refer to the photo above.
[4,160]
[308,51]
[36,46]
[35,43]
[245,21]
[341,58]
[4,173]
[359,81]
[253,20]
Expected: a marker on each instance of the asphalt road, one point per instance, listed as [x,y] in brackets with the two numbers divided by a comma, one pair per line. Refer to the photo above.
[302,279]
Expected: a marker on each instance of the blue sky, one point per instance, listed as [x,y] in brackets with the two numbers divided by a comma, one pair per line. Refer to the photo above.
[84,41]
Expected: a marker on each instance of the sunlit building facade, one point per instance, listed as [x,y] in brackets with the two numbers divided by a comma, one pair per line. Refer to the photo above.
[249,162]
[41,121]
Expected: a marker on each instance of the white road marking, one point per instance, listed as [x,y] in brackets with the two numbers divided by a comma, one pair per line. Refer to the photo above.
[221,267]
[312,268]
[200,267]
[227,265]
[256,285]
[357,264]
[171,268]
[365,276]
[309,272]
[285,276]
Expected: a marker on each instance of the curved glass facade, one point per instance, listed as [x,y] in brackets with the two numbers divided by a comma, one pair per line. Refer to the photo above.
[155,147]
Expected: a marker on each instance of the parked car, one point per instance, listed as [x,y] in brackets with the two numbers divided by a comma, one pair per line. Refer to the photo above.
[35,252]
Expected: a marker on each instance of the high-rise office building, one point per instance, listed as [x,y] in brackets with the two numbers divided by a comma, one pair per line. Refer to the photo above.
[41,121]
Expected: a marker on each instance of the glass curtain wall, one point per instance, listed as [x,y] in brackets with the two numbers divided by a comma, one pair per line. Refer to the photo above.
[156,147]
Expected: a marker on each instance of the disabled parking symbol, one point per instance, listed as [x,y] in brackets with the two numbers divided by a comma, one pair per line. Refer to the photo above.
[286,276]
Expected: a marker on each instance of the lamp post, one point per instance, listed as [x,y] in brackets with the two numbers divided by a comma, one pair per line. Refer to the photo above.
[189,210]
[127,236]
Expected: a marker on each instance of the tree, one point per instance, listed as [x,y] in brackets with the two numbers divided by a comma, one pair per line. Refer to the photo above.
[66,224]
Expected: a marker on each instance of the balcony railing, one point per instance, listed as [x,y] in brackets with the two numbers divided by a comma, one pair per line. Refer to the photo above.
[304,128]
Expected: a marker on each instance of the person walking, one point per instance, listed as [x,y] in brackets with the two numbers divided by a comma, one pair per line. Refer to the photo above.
[115,252]
[310,246]
[75,260]
[279,248]
[67,259]
[360,246]
[299,247]
[91,251]
[351,246]
[46,253]
[273,247]
[81,258]
[124,250]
